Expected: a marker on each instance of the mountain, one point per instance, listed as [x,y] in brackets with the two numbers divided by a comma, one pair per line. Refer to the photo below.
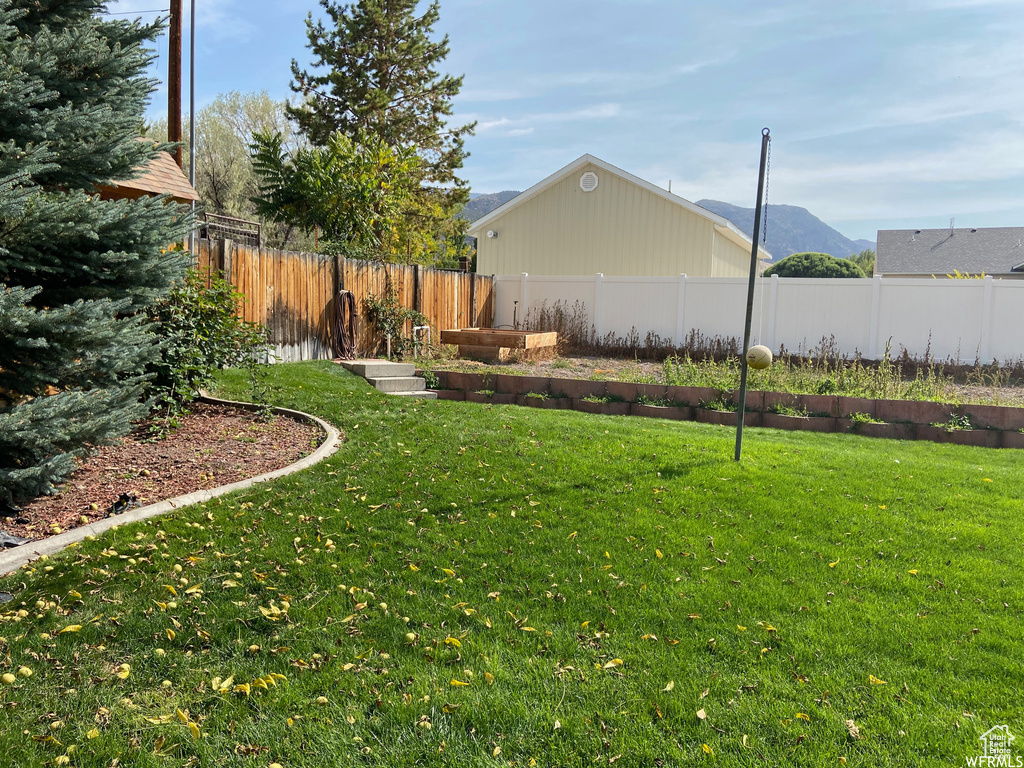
[480,205]
[791,229]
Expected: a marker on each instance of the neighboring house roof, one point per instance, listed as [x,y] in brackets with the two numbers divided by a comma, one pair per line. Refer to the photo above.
[722,225]
[992,250]
[160,176]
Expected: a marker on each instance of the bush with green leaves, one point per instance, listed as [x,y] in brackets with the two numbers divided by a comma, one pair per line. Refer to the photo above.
[390,319]
[201,333]
[814,265]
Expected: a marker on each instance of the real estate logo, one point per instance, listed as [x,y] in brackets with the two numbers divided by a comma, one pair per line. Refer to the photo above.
[997,753]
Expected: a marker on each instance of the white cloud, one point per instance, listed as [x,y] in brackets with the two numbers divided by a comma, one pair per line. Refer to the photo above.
[520,125]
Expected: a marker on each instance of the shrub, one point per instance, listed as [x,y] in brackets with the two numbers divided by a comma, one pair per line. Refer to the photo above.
[390,318]
[201,333]
[814,265]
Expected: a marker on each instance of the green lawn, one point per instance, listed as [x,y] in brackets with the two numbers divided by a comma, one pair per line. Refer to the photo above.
[467,585]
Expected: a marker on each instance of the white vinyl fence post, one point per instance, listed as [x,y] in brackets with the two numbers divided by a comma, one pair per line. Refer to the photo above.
[773,304]
[985,345]
[522,298]
[598,301]
[876,298]
[681,312]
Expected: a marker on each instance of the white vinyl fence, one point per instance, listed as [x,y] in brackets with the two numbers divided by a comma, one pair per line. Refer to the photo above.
[948,319]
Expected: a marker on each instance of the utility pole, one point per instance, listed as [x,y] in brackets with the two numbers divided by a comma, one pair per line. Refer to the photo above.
[192,120]
[174,80]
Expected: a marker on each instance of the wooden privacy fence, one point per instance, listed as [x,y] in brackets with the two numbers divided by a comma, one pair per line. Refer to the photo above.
[294,295]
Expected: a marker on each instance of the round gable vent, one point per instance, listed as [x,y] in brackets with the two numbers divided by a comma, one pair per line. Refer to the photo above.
[588,181]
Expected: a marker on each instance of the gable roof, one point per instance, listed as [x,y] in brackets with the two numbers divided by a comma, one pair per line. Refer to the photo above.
[722,225]
[992,250]
[161,175]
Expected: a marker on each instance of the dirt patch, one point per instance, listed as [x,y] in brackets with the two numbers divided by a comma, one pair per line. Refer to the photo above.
[215,445]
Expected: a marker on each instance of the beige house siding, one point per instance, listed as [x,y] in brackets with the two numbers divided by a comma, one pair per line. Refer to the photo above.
[618,229]
[729,259]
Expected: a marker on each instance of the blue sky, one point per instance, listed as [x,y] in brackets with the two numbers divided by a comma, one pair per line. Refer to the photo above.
[884,114]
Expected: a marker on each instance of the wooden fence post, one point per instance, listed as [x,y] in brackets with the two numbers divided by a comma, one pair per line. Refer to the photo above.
[224,258]
[472,301]
[417,288]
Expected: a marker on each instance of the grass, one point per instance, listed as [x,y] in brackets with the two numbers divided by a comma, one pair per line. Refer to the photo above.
[477,585]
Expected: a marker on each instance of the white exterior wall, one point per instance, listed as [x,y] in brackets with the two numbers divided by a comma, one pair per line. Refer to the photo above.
[951,319]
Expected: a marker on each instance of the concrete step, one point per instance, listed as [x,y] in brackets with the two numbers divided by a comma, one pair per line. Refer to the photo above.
[424,395]
[395,384]
[377,369]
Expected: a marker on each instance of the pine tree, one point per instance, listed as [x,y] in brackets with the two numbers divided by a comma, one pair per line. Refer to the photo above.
[376,73]
[75,270]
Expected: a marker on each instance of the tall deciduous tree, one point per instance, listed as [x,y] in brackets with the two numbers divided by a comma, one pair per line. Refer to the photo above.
[354,191]
[376,73]
[75,270]
[225,179]
[865,260]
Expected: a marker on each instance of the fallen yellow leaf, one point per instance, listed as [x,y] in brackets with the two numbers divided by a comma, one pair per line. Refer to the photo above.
[613,663]
[802,716]
[875,681]
[458,683]
[71,628]
[668,687]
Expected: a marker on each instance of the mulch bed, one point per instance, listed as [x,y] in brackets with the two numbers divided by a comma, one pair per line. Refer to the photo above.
[215,445]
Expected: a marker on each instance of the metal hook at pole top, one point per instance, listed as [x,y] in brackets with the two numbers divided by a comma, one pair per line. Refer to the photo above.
[766,131]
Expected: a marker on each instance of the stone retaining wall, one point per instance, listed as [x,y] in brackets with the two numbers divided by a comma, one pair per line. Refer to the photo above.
[994,426]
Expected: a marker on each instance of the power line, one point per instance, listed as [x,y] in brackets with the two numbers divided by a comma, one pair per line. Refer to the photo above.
[133,13]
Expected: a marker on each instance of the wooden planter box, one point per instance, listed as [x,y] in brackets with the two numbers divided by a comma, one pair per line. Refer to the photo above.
[981,438]
[727,418]
[497,344]
[805,423]
[674,412]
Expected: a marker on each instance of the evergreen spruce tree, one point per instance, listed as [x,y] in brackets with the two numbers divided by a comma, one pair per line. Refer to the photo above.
[376,73]
[75,271]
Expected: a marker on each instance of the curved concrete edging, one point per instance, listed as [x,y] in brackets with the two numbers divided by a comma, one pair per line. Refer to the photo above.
[13,559]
